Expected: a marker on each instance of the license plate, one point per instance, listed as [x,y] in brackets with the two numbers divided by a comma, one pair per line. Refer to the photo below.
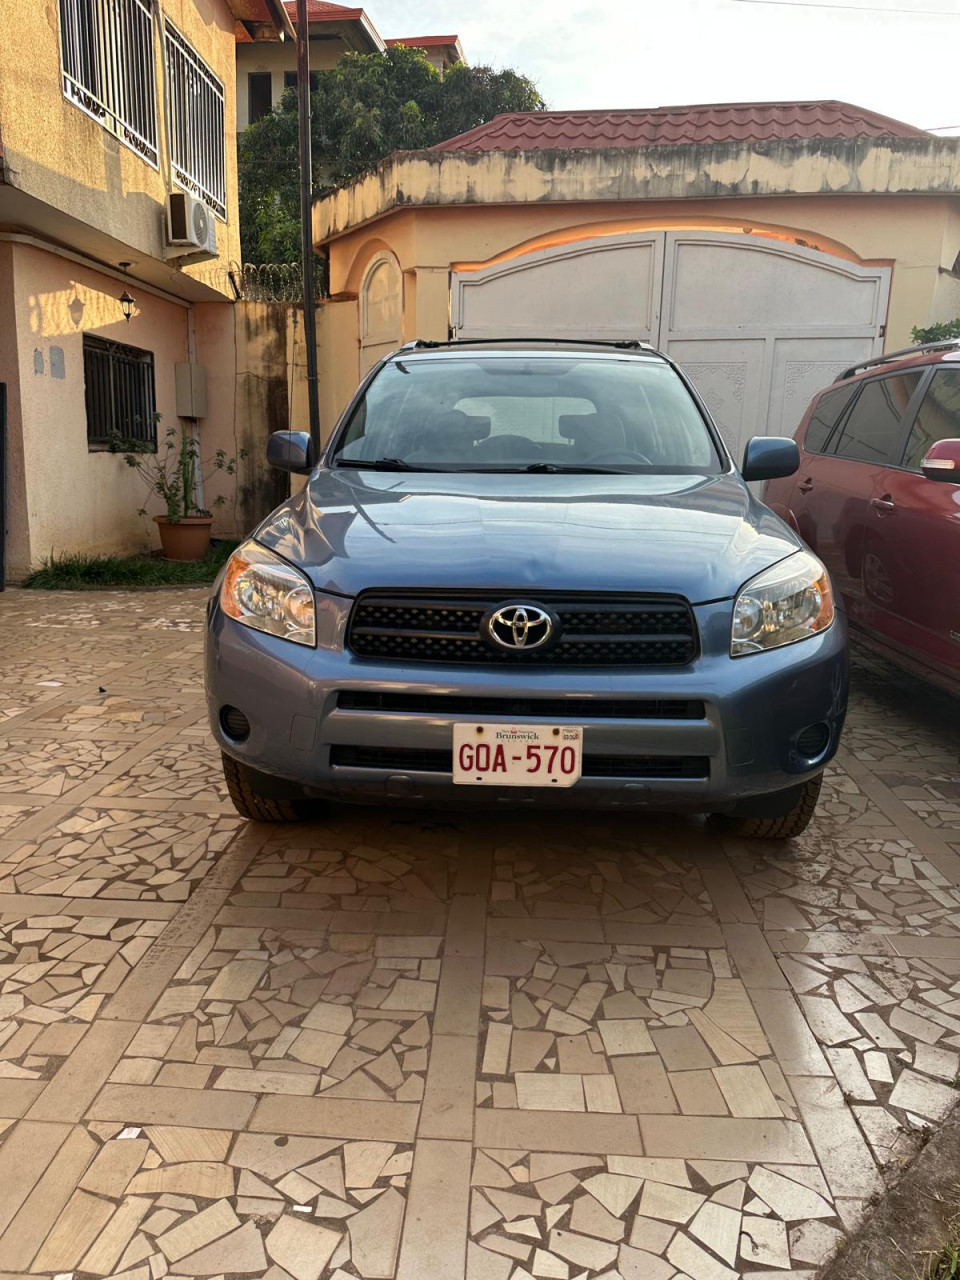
[517,755]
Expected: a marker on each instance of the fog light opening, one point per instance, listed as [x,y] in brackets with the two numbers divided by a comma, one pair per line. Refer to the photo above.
[234,723]
[813,741]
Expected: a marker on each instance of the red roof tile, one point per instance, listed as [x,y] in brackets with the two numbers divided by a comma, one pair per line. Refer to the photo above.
[665,126]
[423,42]
[320,11]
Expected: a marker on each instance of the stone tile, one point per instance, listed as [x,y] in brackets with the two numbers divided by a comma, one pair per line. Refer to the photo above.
[643,1085]
[746,1091]
[718,1227]
[582,1251]
[303,1249]
[764,1241]
[335,1117]
[447,1110]
[434,1242]
[697,1093]
[681,1048]
[625,1036]
[73,1233]
[695,1138]
[670,1204]
[691,1259]
[549,1093]
[789,1200]
[35,1214]
[790,1036]
[557,1131]
[198,1231]
[842,1153]
[924,1097]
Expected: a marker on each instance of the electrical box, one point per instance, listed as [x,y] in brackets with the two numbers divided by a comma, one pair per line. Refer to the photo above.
[191,382]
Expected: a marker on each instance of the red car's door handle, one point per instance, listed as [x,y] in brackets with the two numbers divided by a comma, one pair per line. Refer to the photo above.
[883,504]
[805,485]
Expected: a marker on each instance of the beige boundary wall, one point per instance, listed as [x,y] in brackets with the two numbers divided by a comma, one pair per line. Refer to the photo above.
[894,202]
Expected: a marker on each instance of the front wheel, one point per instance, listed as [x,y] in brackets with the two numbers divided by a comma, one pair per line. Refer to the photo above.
[793,818]
[262,798]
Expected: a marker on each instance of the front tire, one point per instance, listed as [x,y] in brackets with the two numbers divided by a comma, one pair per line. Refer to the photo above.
[791,822]
[261,798]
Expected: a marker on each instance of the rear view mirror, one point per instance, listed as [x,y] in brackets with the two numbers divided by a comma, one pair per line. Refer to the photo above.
[769,458]
[291,451]
[942,461]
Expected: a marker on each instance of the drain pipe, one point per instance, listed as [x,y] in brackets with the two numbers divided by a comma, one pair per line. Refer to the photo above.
[306,222]
[194,423]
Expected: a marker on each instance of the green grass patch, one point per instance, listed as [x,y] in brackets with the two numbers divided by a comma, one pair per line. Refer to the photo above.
[91,573]
[947,1265]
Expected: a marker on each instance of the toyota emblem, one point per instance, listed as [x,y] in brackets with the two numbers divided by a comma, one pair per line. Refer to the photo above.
[519,626]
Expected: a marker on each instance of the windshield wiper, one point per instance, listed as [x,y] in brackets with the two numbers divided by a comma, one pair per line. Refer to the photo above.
[572,469]
[382,464]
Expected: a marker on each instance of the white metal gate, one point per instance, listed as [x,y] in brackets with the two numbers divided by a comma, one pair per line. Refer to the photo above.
[760,324]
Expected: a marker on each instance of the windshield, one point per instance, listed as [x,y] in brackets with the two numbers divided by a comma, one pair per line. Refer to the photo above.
[519,413]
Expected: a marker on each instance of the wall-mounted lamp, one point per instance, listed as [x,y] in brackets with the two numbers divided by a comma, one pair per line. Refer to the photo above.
[128,304]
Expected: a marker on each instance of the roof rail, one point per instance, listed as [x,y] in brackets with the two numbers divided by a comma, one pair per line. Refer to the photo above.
[943,345]
[621,344]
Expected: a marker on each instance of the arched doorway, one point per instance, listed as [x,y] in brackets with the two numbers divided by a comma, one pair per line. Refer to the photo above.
[759,322]
[381,310]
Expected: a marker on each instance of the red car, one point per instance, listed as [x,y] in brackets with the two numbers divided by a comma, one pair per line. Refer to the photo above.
[877,497]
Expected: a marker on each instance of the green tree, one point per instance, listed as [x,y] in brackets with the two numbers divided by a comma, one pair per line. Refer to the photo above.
[937,332]
[364,108]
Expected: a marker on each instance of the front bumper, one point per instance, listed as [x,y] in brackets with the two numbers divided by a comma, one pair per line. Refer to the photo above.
[754,708]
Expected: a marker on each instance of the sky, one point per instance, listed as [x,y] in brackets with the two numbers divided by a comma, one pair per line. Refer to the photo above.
[893,56]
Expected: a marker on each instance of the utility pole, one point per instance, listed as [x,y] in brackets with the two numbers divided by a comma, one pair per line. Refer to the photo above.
[306,222]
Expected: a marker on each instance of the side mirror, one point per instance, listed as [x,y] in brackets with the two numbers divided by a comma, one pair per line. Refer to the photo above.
[769,458]
[942,461]
[291,451]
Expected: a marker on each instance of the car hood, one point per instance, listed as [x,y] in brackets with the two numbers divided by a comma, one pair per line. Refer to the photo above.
[699,537]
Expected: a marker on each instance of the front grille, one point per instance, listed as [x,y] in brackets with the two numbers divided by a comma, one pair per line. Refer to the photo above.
[653,631]
[516,708]
[416,760]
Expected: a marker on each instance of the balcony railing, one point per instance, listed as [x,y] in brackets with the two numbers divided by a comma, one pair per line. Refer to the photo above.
[195,123]
[107,55]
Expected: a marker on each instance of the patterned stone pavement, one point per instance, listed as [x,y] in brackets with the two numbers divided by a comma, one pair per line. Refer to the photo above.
[411,1045]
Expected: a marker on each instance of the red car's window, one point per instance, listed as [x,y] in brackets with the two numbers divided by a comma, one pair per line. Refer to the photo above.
[937,419]
[872,431]
[825,417]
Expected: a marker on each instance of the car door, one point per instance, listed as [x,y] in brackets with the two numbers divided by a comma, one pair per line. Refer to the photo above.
[791,497]
[838,488]
[912,543]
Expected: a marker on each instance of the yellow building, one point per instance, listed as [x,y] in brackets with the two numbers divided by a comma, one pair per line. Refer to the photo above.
[117,176]
[265,70]
[765,246]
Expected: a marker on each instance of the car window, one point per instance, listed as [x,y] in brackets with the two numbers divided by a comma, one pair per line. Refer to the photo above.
[539,418]
[825,416]
[872,431]
[510,412]
[937,419]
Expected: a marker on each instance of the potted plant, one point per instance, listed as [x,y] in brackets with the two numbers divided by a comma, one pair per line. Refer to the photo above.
[171,470]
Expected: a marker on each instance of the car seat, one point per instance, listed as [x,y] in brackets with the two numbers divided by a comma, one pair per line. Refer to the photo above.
[593,434]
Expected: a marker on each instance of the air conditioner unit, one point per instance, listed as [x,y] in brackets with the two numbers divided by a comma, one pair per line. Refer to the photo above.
[191,227]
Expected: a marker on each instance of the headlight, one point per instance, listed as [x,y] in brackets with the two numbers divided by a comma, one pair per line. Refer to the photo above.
[790,601]
[262,591]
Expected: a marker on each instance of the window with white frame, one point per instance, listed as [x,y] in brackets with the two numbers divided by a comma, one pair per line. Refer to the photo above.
[195,123]
[107,57]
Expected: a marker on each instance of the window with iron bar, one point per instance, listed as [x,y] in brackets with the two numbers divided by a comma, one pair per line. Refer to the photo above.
[195,123]
[120,395]
[107,59]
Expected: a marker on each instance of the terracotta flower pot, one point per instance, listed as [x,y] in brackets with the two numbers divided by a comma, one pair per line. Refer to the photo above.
[186,539]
